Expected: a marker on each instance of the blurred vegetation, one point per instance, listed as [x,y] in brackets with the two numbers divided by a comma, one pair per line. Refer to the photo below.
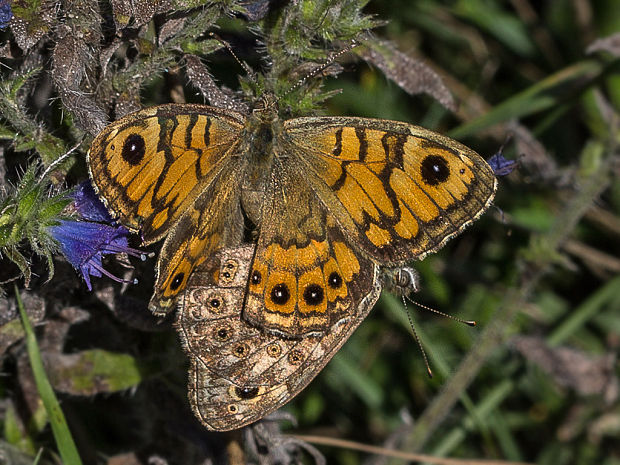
[536,381]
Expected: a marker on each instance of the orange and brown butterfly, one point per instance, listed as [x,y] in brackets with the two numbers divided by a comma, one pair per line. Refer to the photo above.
[333,200]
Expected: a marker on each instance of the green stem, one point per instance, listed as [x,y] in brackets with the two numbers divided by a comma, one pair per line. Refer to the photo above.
[60,429]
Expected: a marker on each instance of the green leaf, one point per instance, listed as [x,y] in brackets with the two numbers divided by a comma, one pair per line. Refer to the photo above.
[505,27]
[607,296]
[343,372]
[16,257]
[543,95]
[93,371]
[13,433]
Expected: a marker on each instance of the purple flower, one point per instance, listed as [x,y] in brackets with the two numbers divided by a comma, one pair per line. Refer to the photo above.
[84,243]
[500,165]
[88,205]
[5,13]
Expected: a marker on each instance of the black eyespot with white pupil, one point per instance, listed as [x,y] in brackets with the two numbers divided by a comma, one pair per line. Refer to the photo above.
[313,294]
[334,280]
[241,350]
[246,393]
[274,350]
[222,333]
[295,357]
[434,170]
[134,149]
[256,277]
[176,281]
[280,294]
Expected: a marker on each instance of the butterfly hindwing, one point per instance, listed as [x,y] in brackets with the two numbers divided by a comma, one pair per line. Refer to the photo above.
[213,221]
[305,276]
[239,373]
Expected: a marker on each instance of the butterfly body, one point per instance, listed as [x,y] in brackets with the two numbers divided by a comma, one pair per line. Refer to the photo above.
[333,201]
[258,146]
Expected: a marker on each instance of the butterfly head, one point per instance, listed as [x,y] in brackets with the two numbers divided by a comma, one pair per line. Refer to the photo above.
[266,106]
[401,281]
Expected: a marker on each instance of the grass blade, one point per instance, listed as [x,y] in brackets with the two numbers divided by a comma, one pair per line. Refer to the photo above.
[60,429]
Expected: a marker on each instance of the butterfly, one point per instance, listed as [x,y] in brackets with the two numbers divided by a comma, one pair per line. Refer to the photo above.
[333,202]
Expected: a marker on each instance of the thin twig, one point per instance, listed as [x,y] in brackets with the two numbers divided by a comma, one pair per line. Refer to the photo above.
[345,444]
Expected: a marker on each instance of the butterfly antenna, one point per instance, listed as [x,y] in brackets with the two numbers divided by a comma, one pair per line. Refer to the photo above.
[417,339]
[452,317]
[330,59]
[245,67]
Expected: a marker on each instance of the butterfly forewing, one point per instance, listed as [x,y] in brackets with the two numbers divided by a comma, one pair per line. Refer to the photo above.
[213,221]
[399,190]
[150,166]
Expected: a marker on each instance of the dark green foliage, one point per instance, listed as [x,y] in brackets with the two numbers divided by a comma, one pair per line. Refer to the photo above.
[536,380]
